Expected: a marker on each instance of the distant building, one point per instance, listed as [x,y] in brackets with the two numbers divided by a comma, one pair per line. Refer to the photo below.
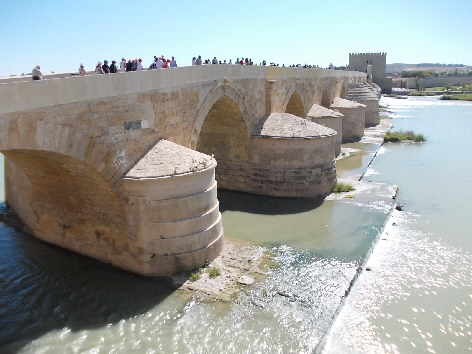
[359,62]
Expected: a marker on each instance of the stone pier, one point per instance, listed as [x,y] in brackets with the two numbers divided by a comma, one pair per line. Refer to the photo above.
[353,123]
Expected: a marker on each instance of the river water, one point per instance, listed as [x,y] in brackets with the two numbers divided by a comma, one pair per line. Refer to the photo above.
[417,296]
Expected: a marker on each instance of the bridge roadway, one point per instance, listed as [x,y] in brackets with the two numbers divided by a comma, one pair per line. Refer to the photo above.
[124,167]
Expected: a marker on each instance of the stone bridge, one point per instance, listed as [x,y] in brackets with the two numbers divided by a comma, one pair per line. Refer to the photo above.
[124,167]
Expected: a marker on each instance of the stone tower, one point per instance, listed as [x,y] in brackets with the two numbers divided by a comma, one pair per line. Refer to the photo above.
[360,61]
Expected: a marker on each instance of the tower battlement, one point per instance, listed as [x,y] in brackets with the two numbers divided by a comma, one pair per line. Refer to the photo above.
[359,62]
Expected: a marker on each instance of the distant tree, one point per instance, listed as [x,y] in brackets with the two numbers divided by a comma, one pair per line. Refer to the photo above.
[463,86]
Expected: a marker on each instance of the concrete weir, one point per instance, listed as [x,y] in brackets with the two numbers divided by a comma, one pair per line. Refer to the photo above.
[124,167]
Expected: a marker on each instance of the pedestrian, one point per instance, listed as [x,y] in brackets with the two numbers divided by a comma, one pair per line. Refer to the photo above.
[139,65]
[159,63]
[36,73]
[98,68]
[129,65]
[123,65]
[173,63]
[106,67]
[113,68]
[199,60]
[82,71]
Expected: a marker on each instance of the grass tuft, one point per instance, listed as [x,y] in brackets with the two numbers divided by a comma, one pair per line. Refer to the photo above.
[213,272]
[395,137]
[194,277]
[342,188]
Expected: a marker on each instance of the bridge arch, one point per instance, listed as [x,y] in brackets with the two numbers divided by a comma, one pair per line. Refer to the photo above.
[63,180]
[325,99]
[28,134]
[61,197]
[219,92]
[224,136]
[343,91]
[294,103]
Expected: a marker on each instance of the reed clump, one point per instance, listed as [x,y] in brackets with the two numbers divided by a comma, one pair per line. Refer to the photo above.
[342,187]
[398,136]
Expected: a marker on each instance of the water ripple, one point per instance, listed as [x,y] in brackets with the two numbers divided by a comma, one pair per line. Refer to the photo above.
[418,288]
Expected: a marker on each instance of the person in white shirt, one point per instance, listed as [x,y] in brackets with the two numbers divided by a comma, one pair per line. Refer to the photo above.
[123,65]
[82,71]
[98,68]
[159,63]
[36,73]
[139,65]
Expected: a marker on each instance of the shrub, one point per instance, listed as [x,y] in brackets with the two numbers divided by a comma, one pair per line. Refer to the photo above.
[213,272]
[418,138]
[395,137]
[342,187]
[194,277]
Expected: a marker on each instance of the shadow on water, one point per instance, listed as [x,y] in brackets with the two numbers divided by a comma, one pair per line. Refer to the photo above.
[258,204]
[45,288]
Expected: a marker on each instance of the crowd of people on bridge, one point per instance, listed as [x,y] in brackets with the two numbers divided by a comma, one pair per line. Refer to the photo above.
[162,63]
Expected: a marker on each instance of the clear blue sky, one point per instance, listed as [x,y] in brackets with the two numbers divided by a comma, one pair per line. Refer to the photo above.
[60,34]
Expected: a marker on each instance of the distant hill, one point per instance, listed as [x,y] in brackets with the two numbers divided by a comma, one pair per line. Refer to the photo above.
[436,68]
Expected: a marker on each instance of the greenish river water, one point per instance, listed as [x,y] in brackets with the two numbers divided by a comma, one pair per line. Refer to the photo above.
[417,296]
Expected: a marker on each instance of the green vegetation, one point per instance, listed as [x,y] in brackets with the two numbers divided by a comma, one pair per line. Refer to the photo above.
[420,93]
[460,97]
[417,74]
[342,187]
[462,88]
[395,137]
[437,88]
[194,277]
[213,272]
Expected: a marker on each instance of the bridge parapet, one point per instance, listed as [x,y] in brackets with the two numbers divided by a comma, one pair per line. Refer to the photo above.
[22,96]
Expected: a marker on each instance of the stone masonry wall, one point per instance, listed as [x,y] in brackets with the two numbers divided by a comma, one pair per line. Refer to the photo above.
[69,142]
